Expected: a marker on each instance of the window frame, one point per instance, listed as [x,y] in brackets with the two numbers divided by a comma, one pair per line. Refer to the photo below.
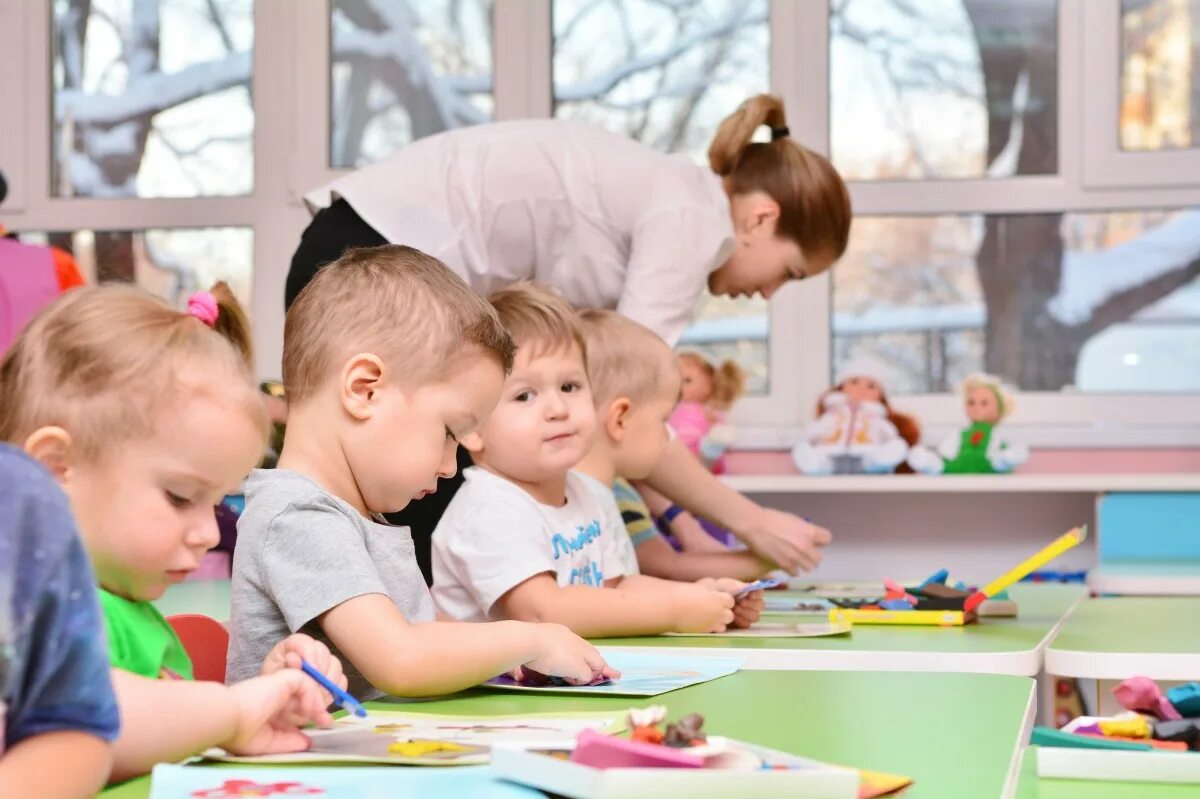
[291,99]
[1106,164]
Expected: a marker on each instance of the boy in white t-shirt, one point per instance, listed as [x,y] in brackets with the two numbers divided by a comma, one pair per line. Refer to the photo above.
[527,538]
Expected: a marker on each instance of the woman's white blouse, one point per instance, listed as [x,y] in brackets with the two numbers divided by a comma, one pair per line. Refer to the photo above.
[605,220]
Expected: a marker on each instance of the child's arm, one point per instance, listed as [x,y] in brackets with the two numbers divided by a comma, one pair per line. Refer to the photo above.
[167,720]
[685,527]
[634,605]
[63,764]
[656,558]
[432,658]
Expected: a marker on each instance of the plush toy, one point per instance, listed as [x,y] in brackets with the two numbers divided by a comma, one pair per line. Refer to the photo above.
[856,430]
[980,448]
[700,417]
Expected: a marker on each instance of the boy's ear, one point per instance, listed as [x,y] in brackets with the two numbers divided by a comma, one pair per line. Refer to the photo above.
[52,447]
[472,442]
[616,418]
[362,377]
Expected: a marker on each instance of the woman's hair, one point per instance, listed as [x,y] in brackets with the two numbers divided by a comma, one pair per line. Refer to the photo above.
[814,204]
[728,379]
[103,362]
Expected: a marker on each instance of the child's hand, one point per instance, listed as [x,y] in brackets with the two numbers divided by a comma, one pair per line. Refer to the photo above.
[288,653]
[270,711]
[564,654]
[746,609]
[703,609]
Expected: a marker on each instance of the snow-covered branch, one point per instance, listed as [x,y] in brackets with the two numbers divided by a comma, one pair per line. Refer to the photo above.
[1092,279]
[735,20]
[154,92]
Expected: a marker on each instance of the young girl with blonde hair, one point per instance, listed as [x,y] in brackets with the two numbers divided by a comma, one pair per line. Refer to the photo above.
[146,417]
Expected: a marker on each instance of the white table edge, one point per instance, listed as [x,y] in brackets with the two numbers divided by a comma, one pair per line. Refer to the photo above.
[1013,780]
[1103,582]
[1095,665]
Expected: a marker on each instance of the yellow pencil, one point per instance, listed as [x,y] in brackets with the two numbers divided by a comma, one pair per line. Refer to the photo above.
[1055,548]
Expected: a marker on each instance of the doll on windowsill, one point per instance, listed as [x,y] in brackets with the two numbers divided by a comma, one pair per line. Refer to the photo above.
[980,448]
[856,431]
[707,393]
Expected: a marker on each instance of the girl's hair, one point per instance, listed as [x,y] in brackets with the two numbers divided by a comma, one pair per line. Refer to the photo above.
[814,204]
[728,379]
[103,362]
[1003,392]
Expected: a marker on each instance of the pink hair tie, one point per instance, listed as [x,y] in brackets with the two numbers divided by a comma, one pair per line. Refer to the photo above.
[203,306]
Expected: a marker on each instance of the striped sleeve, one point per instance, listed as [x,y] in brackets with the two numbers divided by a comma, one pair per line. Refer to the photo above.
[634,513]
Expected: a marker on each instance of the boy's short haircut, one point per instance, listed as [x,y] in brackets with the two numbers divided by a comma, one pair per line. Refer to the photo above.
[397,302]
[538,319]
[625,359]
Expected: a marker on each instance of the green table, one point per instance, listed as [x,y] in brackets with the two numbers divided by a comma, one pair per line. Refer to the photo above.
[209,597]
[992,645]
[868,720]
[1031,787]
[1117,637]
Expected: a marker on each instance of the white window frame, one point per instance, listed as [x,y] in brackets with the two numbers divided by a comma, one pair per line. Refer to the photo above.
[291,90]
[1069,419]
[1106,164]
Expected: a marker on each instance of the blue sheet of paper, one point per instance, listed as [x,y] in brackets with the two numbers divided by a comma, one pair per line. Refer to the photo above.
[204,782]
[641,675]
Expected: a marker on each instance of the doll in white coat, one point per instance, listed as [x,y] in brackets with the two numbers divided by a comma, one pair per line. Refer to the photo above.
[856,430]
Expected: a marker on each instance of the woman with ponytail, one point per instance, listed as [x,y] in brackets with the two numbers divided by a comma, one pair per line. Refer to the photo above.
[609,223]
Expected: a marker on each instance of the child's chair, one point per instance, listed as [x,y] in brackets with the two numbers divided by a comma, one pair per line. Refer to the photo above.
[206,641]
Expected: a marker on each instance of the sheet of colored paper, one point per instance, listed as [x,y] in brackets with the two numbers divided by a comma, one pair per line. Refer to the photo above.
[189,782]
[779,630]
[641,675]
[426,739]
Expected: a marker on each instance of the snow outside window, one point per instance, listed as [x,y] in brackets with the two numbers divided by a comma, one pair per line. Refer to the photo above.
[152,99]
[401,70]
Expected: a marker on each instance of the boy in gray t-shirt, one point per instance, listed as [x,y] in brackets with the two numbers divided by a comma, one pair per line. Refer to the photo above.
[389,360]
[302,551]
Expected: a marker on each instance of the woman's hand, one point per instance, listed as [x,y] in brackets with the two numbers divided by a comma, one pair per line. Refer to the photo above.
[784,539]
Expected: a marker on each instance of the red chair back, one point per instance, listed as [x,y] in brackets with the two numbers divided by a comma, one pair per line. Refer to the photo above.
[206,641]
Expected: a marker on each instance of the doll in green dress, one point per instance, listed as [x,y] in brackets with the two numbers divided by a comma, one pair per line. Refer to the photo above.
[981,448]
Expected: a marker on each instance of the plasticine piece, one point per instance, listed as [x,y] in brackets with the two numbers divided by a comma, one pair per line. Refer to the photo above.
[686,731]
[895,604]
[939,591]
[1047,736]
[1186,699]
[937,578]
[894,591]
[1126,727]
[1185,730]
[1143,694]
[1088,729]
[602,751]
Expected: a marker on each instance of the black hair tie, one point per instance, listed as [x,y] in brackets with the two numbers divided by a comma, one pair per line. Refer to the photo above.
[779,133]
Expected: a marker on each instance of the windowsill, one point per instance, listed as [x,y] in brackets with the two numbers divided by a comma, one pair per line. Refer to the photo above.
[1048,470]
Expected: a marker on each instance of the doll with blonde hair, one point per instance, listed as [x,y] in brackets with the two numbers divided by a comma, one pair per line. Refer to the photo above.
[979,448]
[707,394]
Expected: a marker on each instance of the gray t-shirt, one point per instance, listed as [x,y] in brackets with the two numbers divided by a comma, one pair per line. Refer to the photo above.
[302,551]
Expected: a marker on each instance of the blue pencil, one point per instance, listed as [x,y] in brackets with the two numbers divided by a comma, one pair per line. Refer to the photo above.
[340,697]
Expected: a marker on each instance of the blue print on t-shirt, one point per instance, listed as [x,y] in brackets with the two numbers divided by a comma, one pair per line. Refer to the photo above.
[588,575]
[586,535]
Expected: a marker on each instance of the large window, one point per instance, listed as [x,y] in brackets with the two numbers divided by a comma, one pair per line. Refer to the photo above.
[666,74]
[1092,301]
[1160,74]
[1025,174]
[152,99]
[402,70]
[943,88]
